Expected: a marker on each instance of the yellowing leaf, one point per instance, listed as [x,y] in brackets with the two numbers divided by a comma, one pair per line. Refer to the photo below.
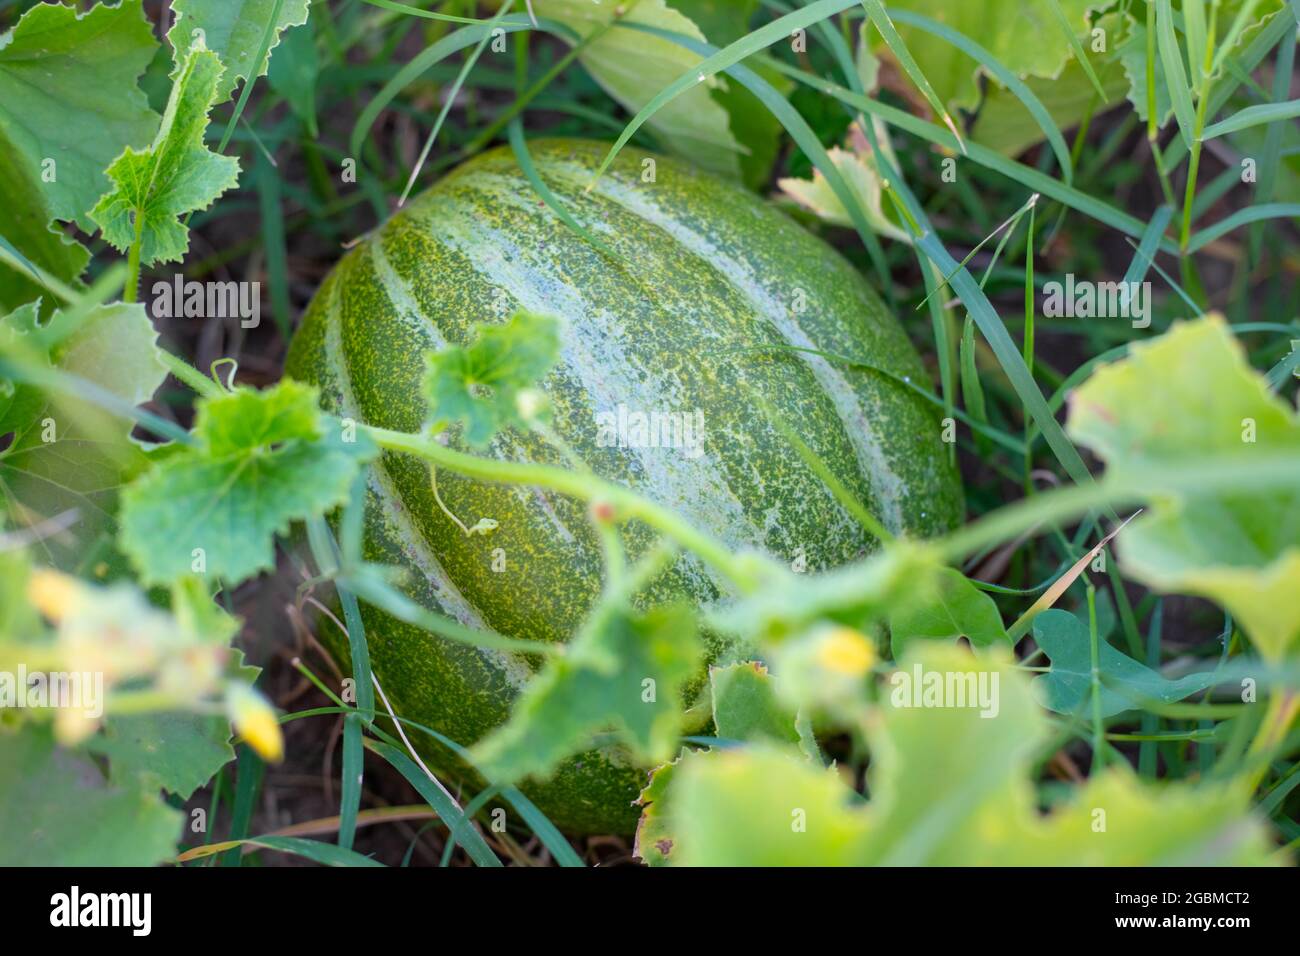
[858,167]
[632,66]
[1024,35]
[1187,398]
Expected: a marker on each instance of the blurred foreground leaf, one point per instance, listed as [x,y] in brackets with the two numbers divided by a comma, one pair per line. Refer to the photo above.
[1186,398]
[949,785]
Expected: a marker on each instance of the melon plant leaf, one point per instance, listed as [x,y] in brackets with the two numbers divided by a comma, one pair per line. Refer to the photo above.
[262,460]
[1006,125]
[478,386]
[69,102]
[746,707]
[68,454]
[632,66]
[855,595]
[20,402]
[177,752]
[114,347]
[754,126]
[90,824]
[949,606]
[1024,35]
[1240,549]
[950,785]
[176,175]
[233,29]
[859,169]
[1132,51]
[1067,688]
[656,838]
[622,672]
[26,232]
[294,71]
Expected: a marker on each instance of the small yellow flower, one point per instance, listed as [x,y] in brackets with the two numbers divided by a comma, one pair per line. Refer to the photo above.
[54,594]
[843,650]
[254,720]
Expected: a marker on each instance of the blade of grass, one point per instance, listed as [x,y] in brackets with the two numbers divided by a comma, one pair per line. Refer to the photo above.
[515,132]
[353,769]
[1070,37]
[942,326]
[1146,249]
[1171,58]
[325,550]
[317,851]
[1271,161]
[1019,172]
[263,50]
[277,270]
[466,833]
[1239,23]
[1276,210]
[1027,344]
[248,781]
[1151,721]
[889,33]
[1194,30]
[1253,116]
[418,12]
[537,821]
[1281,29]
[433,55]
[715,63]
[449,97]
[1006,77]
[972,394]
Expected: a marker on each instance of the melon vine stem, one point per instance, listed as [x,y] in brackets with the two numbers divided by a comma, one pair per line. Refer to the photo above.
[745,570]
[132,287]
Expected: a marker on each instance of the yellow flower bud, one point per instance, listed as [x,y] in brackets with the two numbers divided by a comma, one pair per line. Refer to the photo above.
[843,650]
[254,720]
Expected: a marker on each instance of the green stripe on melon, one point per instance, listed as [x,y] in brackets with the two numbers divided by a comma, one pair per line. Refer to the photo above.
[706,273]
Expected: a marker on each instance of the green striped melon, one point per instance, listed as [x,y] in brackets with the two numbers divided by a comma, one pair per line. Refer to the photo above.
[707,279]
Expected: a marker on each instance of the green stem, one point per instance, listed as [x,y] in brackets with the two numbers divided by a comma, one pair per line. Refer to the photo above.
[1152,131]
[742,570]
[1098,727]
[1068,503]
[187,373]
[522,101]
[1202,105]
[132,288]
